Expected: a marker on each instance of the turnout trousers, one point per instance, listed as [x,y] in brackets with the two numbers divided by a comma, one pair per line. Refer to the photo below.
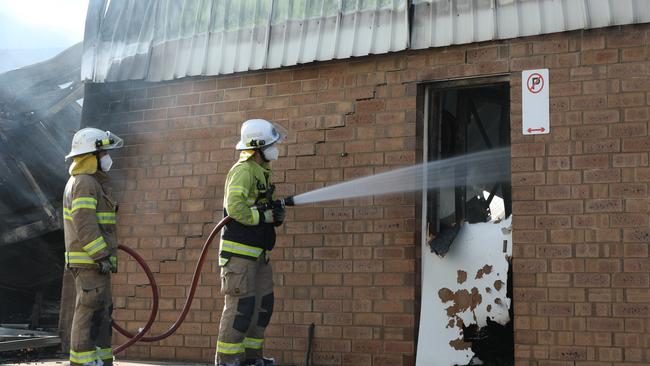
[248,288]
[90,339]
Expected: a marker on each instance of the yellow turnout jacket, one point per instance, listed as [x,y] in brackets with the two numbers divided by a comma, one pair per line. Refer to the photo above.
[89,223]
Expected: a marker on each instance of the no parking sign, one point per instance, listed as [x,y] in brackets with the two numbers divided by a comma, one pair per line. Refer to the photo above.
[535,105]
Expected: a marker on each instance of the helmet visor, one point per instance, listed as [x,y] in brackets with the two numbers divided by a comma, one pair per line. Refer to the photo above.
[109,142]
[280,132]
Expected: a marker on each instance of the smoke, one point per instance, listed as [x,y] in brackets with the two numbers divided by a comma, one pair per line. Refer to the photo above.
[38,115]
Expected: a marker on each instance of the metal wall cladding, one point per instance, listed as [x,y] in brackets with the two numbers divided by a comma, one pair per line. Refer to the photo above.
[439,23]
[169,39]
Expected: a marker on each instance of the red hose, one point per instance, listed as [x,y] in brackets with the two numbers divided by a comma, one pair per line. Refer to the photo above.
[154,289]
[154,292]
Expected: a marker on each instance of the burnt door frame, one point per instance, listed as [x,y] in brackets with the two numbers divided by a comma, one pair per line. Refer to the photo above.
[434,140]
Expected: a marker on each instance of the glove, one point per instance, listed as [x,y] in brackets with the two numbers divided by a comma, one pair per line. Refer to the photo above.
[104,265]
[266,216]
[113,260]
[278,215]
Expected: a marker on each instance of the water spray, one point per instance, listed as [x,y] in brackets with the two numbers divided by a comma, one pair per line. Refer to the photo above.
[486,167]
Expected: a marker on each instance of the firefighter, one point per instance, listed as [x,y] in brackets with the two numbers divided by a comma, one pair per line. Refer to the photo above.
[246,275]
[91,245]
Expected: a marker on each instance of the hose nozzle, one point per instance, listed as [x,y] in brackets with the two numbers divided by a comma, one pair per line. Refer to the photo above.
[287,201]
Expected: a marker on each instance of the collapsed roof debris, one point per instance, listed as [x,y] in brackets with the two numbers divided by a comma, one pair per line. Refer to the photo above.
[38,114]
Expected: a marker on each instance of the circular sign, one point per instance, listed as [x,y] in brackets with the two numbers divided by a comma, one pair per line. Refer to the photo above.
[535,83]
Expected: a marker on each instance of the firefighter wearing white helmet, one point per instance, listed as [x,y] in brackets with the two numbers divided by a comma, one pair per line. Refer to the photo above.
[246,274]
[89,213]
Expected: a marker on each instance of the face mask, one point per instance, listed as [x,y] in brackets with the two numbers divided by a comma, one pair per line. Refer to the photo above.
[271,153]
[105,162]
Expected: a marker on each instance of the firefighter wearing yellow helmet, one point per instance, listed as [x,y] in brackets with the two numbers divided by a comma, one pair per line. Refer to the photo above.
[90,244]
[246,274]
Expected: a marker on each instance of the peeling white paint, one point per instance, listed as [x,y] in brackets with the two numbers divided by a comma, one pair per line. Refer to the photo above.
[476,246]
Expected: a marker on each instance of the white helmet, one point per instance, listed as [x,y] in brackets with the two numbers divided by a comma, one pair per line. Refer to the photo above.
[257,133]
[88,140]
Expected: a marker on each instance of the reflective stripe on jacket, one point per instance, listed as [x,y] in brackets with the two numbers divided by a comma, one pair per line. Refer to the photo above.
[89,220]
[246,185]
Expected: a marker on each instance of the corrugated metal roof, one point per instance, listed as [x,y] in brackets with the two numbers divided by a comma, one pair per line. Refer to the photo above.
[168,39]
[439,23]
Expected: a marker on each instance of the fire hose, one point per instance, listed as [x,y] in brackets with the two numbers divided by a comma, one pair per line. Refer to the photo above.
[140,336]
[154,291]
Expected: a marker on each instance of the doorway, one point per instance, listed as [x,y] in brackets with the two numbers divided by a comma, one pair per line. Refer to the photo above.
[466,307]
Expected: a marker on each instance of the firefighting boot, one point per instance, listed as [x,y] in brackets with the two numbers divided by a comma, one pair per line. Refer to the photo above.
[260,362]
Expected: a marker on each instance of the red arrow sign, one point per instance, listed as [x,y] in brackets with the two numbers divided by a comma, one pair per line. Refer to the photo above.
[536,130]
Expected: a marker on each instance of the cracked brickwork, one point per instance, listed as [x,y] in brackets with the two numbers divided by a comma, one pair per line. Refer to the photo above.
[580,199]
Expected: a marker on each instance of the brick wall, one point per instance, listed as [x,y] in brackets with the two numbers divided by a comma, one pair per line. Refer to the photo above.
[580,199]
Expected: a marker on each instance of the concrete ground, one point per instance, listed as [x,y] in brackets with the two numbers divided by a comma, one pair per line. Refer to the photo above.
[116,363]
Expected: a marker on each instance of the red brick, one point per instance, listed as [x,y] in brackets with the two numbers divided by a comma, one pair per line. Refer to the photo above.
[641,280]
[637,235]
[595,86]
[603,205]
[300,99]
[604,265]
[369,106]
[631,310]
[635,84]
[603,145]
[574,177]
[588,102]
[254,79]
[572,353]
[528,207]
[602,176]
[526,63]
[530,265]
[639,250]
[600,57]
[482,54]
[553,251]
[528,150]
[633,54]
[625,38]
[628,220]
[527,179]
[301,149]
[590,161]
[601,116]
[626,100]
[638,295]
[552,192]
[555,309]
[591,280]
[204,85]
[547,222]
[567,265]
[636,144]
[565,207]
[627,70]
